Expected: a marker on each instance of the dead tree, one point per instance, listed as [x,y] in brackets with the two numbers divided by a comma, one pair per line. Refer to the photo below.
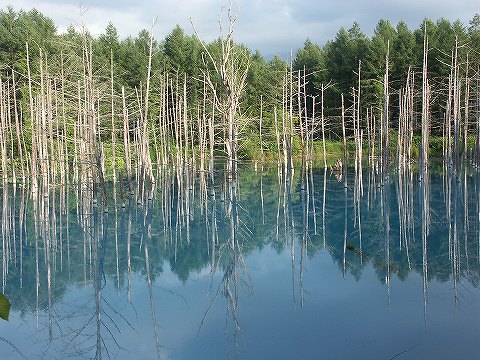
[231,67]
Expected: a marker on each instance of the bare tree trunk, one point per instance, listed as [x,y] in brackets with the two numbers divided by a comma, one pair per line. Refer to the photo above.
[323,128]
[232,68]
[477,114]
[385,130]
[185,119]
[425,113]
[344,165]
[359,132]
[261,120]
[126,140]
[284,125]
[3,133]
[467,104]
[277,135]
[291,113]
[114,135]
[17,128]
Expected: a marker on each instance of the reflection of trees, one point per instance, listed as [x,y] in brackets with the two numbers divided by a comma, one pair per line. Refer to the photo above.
[81,328]
[229,257]
[404,251]
[97,331]
[192,232]
[147,222]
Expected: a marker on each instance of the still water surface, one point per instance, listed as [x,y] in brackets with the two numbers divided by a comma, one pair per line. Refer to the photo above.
[289,270]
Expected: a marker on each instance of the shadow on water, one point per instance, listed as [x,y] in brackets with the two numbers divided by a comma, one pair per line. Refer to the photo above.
[73,270]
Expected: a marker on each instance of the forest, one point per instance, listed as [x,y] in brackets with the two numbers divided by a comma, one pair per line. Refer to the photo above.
[75,107]
[125,161]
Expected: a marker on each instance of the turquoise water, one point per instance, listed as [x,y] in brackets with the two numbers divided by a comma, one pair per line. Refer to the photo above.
[287,269]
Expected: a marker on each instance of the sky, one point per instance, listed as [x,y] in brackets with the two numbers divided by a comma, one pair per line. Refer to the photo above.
[270,26]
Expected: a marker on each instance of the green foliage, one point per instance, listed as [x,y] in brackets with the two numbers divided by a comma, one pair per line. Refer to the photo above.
[340,62]
[311,58]
[16,29]
[181,56]
[474,36]
[403,52]
[258,86]
[435,147]
[342,59]
[4,307]
[183,52]
[375,63]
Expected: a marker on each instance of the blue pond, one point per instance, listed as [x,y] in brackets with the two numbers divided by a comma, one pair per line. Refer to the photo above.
[286,269]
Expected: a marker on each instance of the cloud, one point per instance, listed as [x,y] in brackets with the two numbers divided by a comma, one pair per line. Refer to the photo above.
[271,26]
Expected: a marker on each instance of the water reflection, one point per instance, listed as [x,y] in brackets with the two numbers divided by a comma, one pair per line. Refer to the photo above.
[75,271]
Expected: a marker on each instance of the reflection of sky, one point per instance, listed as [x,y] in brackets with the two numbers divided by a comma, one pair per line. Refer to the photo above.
[341,317]
[351,316]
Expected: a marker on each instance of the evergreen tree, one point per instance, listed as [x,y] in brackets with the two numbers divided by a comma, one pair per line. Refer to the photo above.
[402,53]
[182,52]
[374,66]
[474,39]
[311,58]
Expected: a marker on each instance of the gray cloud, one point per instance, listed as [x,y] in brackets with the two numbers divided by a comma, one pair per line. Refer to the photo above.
[272,26]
